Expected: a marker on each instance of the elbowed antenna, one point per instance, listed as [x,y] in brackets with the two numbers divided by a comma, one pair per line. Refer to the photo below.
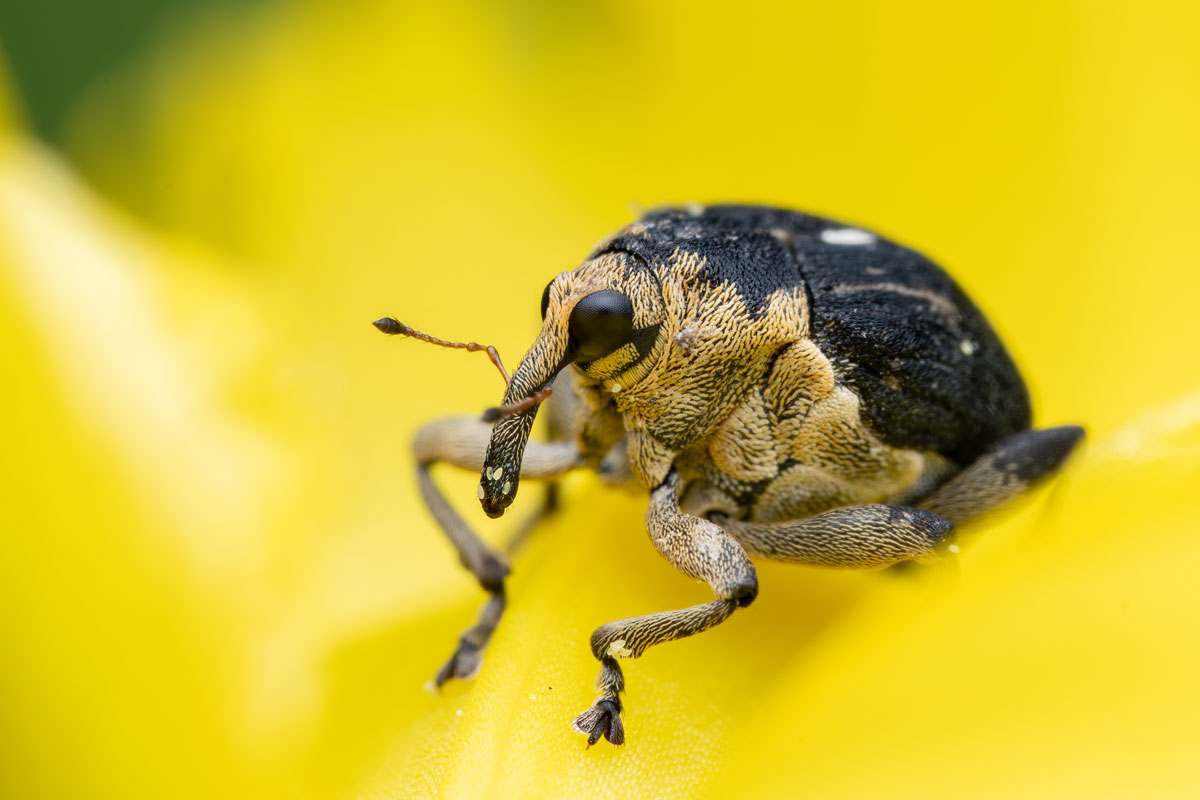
[394,327]
[497,413]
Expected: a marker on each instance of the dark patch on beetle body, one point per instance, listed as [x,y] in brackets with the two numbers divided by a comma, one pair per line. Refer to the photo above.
[752,260]
[927,367]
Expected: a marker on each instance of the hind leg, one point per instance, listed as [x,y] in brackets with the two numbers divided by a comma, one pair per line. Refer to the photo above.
[1007,471]
[462,441]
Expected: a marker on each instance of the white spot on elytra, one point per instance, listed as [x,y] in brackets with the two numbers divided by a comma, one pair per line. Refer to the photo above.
[967,347]
[480,492]
[504,489]
[851,236]
[496,473]
[953,548]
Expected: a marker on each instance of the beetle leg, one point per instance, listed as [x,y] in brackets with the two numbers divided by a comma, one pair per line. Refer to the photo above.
[697,548]
[559,411]
[1008,470]
[462,441]
[853,537]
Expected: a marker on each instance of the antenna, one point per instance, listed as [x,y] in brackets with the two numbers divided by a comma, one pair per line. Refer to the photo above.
[394,327]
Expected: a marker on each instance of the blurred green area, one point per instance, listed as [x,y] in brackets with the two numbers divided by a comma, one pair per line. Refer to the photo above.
[59,49]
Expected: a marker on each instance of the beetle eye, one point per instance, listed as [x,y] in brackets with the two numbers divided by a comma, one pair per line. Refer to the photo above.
[546,298]
[600,323]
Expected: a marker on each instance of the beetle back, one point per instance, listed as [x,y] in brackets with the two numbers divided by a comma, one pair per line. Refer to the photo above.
[929,371]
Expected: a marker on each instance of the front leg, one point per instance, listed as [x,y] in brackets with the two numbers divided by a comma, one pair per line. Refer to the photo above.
[462,441]
[697,548]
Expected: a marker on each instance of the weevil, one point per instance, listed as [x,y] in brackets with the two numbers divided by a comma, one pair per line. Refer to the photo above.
[782,385]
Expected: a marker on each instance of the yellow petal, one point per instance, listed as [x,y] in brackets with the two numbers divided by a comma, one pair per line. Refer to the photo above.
[226,584]
[1058,659]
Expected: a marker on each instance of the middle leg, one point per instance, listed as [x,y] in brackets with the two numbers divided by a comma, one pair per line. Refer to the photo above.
[851,537]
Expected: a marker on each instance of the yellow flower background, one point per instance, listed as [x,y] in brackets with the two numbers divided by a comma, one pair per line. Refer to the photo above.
[217,579]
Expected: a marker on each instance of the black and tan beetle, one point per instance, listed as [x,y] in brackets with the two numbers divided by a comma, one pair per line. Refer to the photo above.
[783,386]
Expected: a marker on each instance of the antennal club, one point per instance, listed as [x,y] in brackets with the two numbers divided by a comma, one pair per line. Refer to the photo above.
[394,327]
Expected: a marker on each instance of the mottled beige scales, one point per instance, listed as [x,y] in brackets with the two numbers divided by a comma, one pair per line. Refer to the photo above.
[781,385]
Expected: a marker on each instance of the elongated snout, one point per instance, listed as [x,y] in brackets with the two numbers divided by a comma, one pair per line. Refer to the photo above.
[502,464]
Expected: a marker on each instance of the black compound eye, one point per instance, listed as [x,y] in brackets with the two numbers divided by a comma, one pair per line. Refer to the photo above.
[546,298]
[600,323]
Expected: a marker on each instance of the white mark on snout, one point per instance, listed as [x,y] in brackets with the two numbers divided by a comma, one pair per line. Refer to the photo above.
[851,236]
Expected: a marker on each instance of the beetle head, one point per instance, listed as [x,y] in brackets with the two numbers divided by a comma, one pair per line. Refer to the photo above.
[605,318]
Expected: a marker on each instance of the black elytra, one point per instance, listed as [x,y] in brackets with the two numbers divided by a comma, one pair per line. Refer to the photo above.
[600,323]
